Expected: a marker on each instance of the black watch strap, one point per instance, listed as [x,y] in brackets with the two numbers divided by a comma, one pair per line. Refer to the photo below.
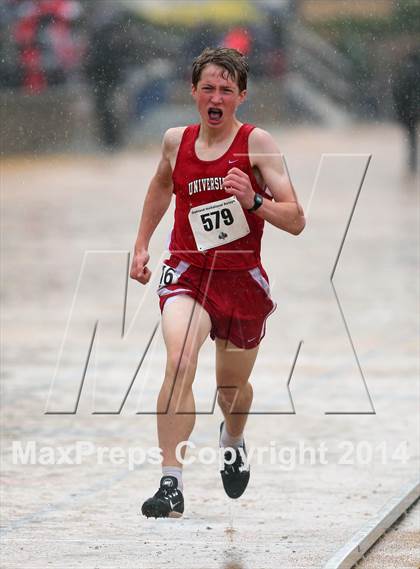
[258,201]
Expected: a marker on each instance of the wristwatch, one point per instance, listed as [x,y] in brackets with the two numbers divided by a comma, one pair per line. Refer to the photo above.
[258,201]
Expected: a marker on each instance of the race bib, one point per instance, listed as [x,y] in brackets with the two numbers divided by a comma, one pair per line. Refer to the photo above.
[217,223]
[168,276]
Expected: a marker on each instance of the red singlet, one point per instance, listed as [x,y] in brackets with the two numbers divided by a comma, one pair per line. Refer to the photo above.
[197,182]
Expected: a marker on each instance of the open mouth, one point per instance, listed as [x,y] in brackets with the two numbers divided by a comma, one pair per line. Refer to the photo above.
[215,114]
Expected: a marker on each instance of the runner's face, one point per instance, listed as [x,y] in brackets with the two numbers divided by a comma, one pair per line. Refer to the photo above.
[217,96]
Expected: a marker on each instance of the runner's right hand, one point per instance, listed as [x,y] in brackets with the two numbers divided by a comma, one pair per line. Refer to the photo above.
[139,270]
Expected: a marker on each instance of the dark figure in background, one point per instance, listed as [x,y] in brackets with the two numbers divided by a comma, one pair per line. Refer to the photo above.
[407,103]
[106,62]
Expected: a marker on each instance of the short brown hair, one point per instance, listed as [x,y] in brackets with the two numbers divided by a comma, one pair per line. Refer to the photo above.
[229,59]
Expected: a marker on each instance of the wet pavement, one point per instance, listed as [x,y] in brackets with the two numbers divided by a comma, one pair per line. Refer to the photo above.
[353,389]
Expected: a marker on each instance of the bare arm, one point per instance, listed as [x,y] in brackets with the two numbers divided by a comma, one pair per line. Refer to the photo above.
[284,212]
[156,203]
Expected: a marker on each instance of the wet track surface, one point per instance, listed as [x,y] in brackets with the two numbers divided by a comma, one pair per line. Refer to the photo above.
[294,514]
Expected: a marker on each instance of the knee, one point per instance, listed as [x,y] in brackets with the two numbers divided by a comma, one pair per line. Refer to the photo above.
[177,384]
[226,396]
[180,367]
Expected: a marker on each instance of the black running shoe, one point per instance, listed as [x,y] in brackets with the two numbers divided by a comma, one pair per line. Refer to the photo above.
[235,476]
[168,502]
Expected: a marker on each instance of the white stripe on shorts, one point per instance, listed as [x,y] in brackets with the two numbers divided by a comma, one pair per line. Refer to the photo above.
[165,291]
[256,274]
[181,268]
[176,296]
[265,321]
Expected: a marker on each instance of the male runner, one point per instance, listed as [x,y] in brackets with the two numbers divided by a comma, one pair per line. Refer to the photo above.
[227,178]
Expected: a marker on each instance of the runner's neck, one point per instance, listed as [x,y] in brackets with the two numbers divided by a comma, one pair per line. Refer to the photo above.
[208,137]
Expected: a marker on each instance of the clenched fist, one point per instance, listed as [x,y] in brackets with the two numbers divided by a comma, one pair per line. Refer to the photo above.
[139,270]
[238,184]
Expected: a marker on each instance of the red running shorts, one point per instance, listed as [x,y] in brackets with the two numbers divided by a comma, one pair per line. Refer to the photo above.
[238,302]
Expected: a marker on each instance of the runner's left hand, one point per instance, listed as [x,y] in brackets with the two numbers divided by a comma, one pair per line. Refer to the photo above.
[239,185]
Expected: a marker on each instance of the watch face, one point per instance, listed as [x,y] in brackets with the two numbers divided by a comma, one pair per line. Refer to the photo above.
[258,201]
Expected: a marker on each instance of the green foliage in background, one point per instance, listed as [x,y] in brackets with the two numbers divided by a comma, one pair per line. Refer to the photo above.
[404,20]
[356,37]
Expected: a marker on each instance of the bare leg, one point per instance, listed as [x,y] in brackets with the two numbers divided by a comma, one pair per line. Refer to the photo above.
[233,369]
[185,326]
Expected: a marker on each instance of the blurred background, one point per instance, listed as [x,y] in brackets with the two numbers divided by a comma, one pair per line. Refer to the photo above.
[78,75]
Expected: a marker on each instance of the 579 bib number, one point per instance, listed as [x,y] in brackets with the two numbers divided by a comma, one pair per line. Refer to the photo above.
[218,223]
[212,220]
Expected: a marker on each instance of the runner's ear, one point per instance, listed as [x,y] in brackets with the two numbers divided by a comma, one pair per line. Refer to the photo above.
[242,97]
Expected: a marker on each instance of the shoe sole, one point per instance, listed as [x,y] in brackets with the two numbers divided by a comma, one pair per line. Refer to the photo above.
[235,493]
[153,513]
[174,515]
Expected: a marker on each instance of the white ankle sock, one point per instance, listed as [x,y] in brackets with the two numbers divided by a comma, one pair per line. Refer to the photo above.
[226,440]
[175,471]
